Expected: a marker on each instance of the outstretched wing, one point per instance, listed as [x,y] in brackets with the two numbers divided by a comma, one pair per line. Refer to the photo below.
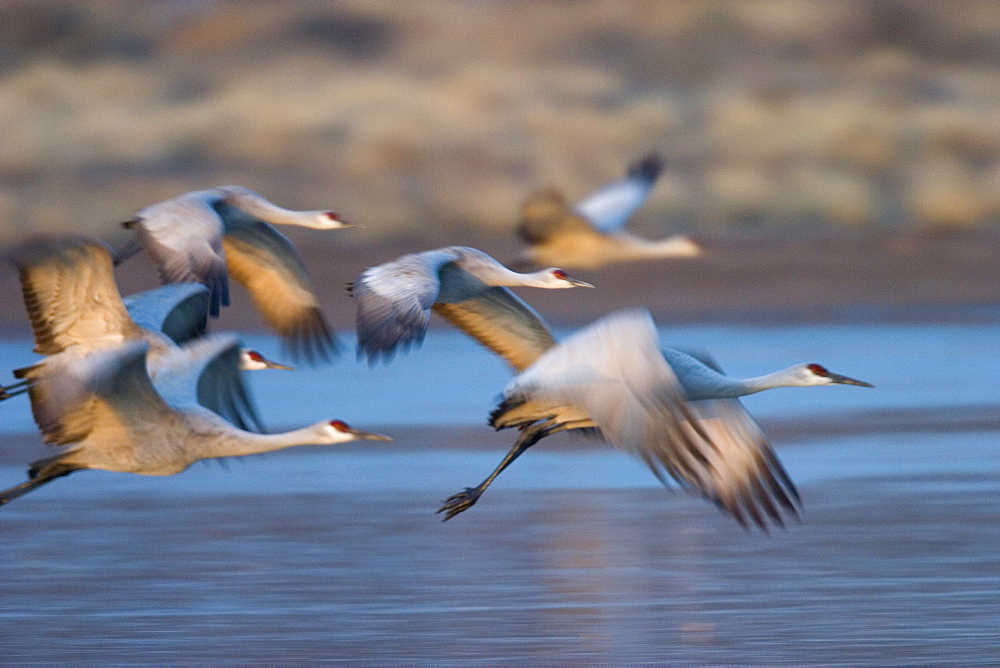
[614,370]
[183,235]
[502,322]
[179,310]
[610,207]
[207,371]
[393,301]
[268,266]
[70,293]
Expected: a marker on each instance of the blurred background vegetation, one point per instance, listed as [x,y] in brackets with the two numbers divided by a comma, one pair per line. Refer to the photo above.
[419,118]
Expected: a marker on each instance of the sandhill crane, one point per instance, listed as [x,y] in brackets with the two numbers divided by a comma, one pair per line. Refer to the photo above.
[75,309]
[206,235]
[676,413]
[178,311]
[138,428]
[589,235]
[393,300]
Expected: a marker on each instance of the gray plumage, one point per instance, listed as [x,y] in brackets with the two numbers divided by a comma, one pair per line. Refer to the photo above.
[208,235]
[393,300]
[160,428]
[666,408]
[75,309]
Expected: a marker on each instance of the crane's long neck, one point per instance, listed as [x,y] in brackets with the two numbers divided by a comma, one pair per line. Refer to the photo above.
[236,443]
[258,207]
[724,387]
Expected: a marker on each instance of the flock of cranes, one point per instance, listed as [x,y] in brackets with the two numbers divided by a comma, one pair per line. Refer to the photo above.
[139,385]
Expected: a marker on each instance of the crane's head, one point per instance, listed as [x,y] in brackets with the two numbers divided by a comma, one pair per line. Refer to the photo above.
[338,431]
[329,220]
[816,374]
[558,279]
[251,360]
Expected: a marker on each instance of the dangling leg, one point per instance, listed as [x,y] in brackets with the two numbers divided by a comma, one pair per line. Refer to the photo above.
[41,473]
[14,389]
[456,503]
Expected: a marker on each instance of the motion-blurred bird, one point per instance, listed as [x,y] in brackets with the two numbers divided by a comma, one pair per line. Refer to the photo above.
[589,235]
[393,300]
[75,310]
[178,311]
[138,428]
[678,414]
[200,236]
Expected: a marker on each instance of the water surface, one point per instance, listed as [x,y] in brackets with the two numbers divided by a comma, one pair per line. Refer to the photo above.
[575,556]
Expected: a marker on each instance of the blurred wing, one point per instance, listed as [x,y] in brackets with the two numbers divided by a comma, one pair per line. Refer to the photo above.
[502,322]
[748,478]
[207,371]
[610,207]
[546,214]
[183,235]
[70,293]
[125,401]
[614,370]
[179,310]
[265,262]
[60,402]
[393,301]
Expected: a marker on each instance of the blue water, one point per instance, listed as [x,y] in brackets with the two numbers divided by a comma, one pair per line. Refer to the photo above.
[452,380]
[575,556]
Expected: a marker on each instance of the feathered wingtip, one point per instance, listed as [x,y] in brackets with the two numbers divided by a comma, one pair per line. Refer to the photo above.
[647,168]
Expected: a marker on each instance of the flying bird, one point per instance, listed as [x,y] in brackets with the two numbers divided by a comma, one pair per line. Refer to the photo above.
[178,311]
[206,235]
[394,300]
[75,310]
[138,425]
[590,235]
[678,414]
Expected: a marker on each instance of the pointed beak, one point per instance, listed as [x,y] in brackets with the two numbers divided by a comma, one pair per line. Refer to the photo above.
[370,436]
[844,380]
[275,365]
[579,284]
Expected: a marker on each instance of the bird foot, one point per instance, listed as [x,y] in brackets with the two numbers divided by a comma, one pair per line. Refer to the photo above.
[457,503]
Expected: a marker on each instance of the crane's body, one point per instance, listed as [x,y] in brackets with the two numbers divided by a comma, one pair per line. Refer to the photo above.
[393,300]
[75,310]
[159,428]
[590,235]
[676,413]
[208,235]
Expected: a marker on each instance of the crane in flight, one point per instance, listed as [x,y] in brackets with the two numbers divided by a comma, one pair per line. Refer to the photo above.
[207,235]
[75,309]
[590,234]
[393,300]
[138,425]
[677,413]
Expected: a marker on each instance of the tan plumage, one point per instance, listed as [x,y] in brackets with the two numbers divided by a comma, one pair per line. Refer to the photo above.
[502,322]
[75,310]
[206,235]
[281,291]
[590,235]
[137,427]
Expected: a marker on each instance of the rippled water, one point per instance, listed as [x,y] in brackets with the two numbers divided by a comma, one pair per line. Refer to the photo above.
[573,557]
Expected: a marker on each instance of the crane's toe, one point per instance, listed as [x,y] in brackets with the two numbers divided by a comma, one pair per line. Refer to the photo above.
[457,503]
